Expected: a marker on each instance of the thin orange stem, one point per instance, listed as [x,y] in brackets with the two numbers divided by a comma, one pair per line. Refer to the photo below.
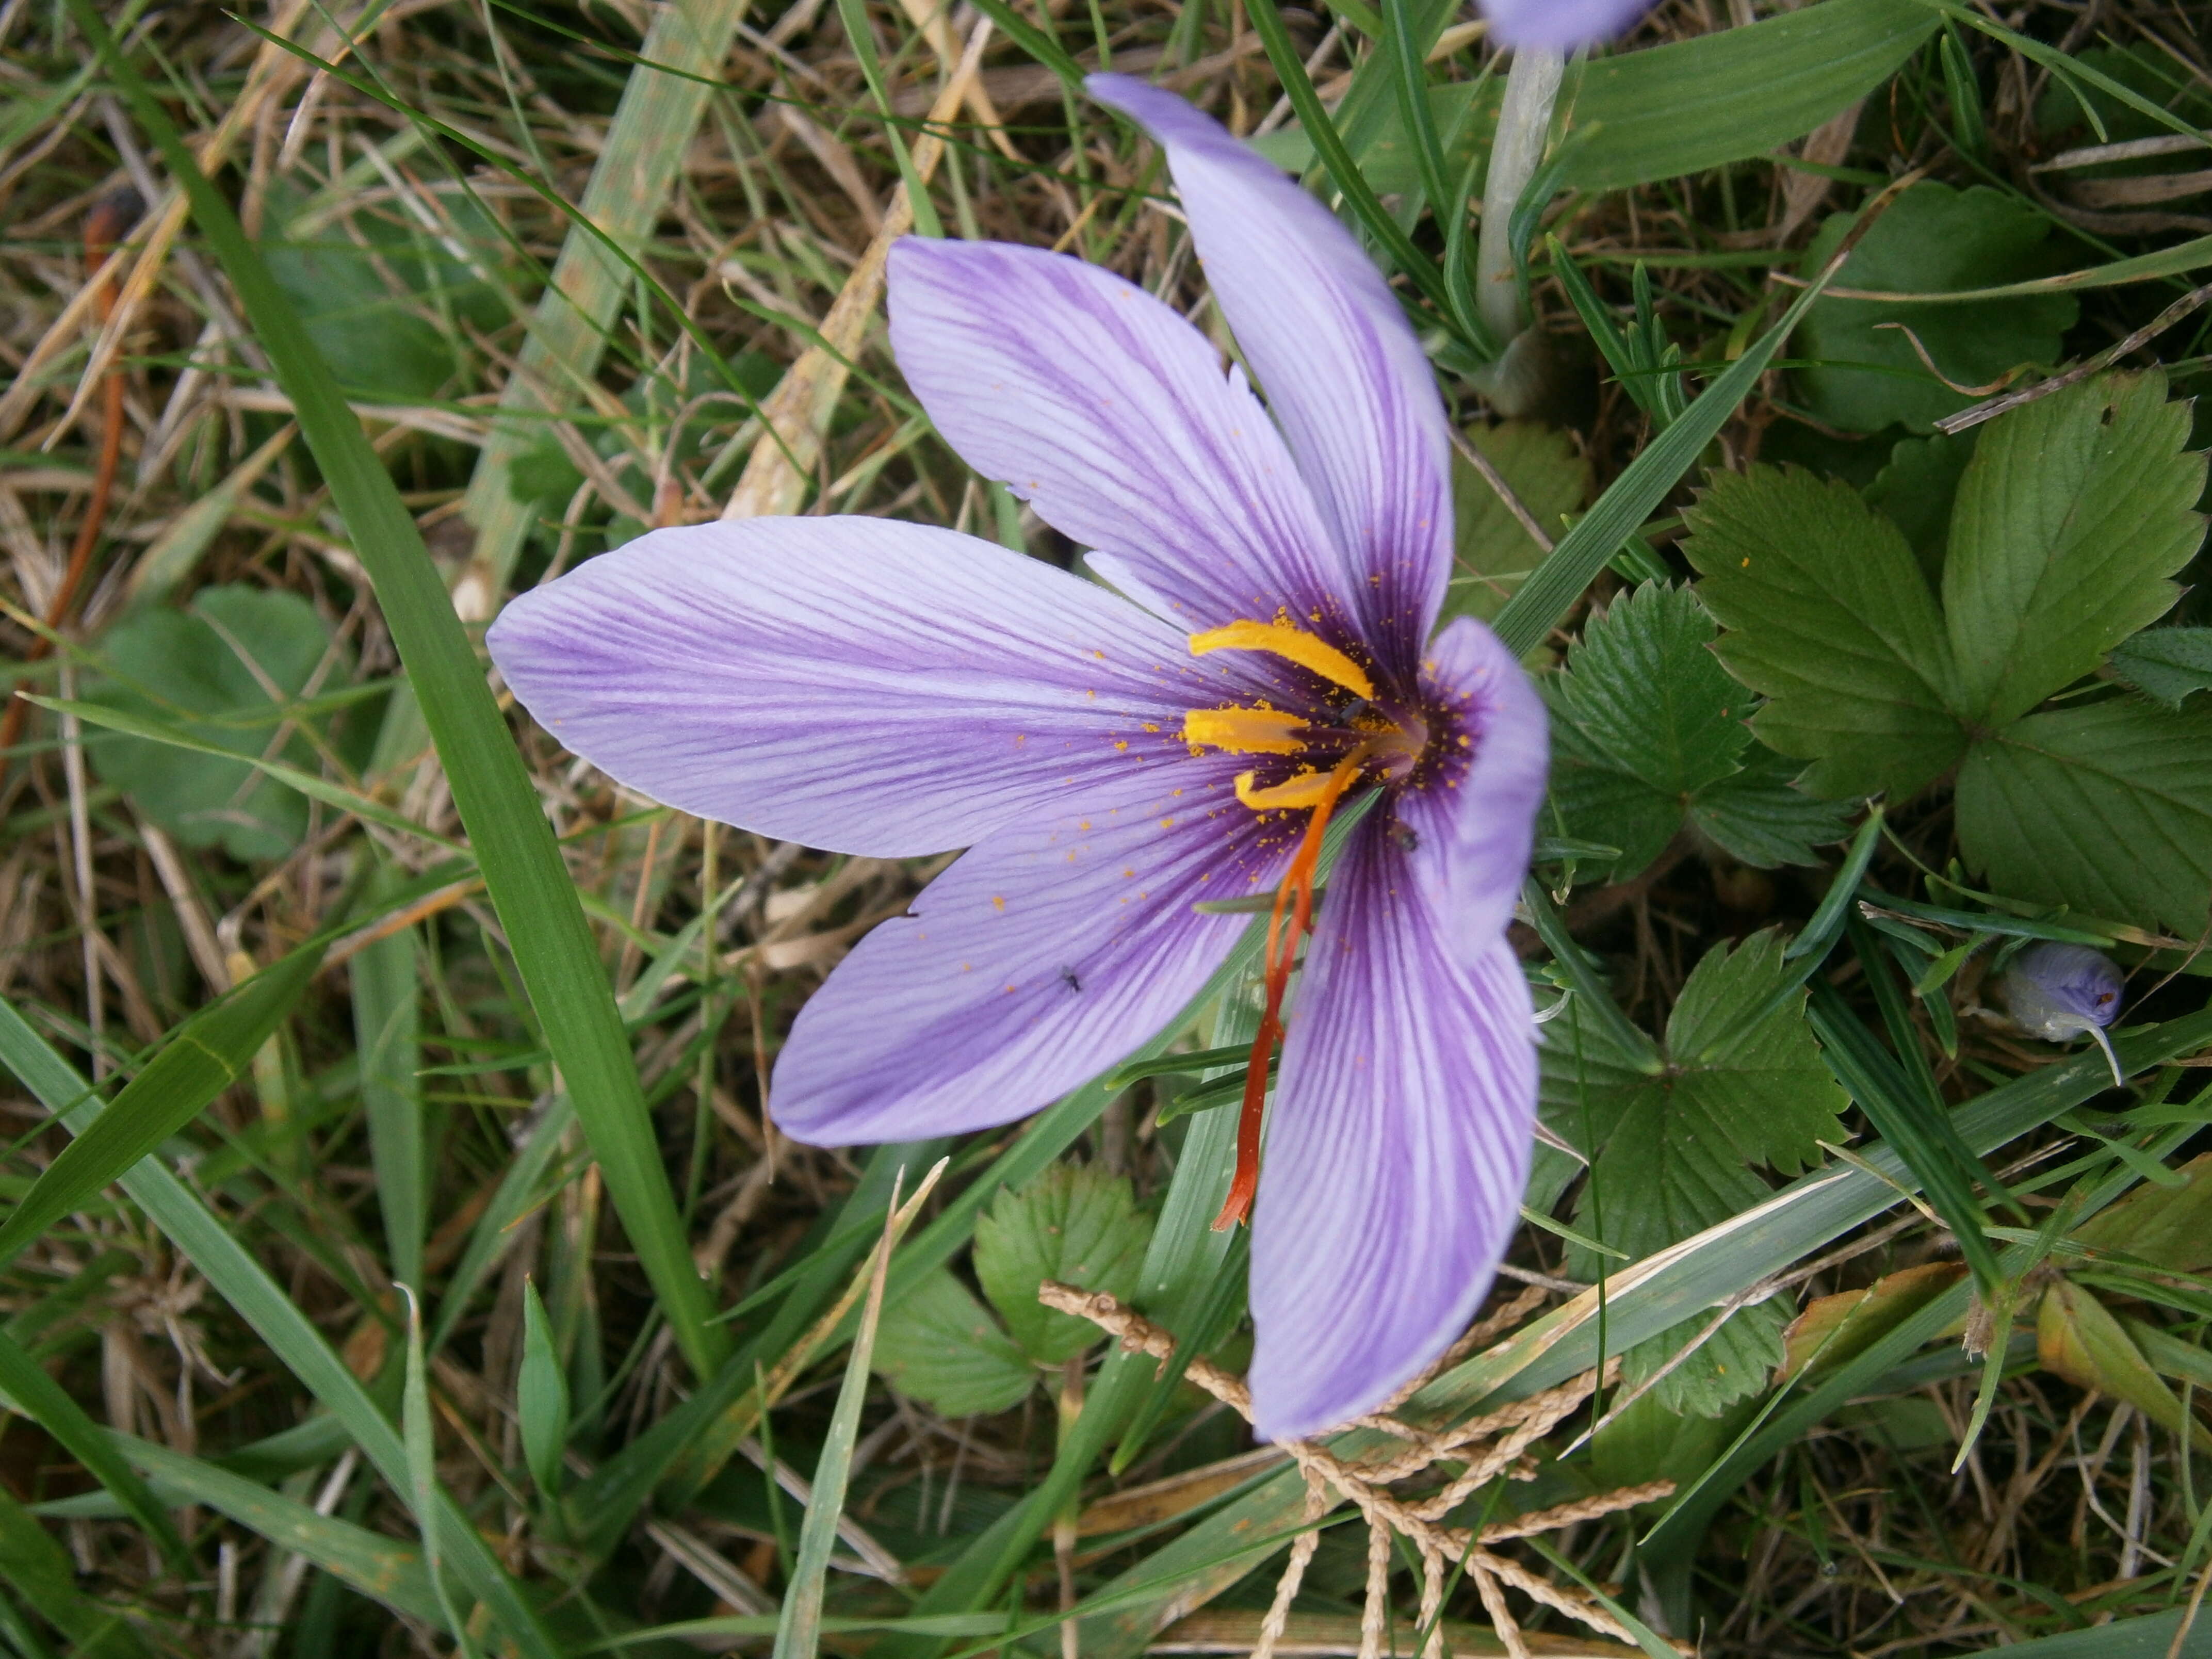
[1295,895]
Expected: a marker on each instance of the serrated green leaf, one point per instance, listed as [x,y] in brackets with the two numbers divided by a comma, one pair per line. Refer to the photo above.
[1832,620]
[1493,550]
[1596,801]
[1732,1363]
[2166,664]
[1915,489]
[210,670]
[1648,727]
[1648,694]
[1076,1224]
[1677,1128]
[1761,817]
[940,1344]
[2105,808]
[2070,518]
[1933,240]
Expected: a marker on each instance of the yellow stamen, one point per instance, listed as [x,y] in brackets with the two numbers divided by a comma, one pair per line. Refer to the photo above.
[1287,640]
[1243,731]
[1306,789]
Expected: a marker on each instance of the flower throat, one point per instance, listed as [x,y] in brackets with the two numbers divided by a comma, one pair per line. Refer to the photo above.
[1332,758]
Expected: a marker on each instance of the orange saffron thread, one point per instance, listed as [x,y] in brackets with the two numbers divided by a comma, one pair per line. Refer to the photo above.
[1295,894]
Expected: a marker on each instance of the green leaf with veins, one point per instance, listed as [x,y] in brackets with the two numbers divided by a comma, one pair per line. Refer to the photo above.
[1760,816]
[1677,1126]
[1933,240]
[2069,520]
[211,671]
[1915,489]
[1648,694]
[1833,621]
[940,1344]
[2166,664]
[1648,727]
[1074,1223]
[2106,807]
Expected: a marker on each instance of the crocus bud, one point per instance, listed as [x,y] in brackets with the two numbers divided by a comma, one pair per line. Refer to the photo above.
[1560,25]
[2060,992]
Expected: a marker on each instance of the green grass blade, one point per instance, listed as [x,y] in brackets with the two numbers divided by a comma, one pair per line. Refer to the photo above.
[660,109]
[799,1632]
[25,1382]
[380,1568]
[207,1053]
[386,1023]
[44,1574]
[420,1436]
[1343,172]
[494,1231]
[244,1284]
[514,843]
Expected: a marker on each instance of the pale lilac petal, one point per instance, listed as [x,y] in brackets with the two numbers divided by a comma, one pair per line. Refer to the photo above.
[1560,25]
[1047,952]
[1471,826]
[1112,415]
[1397,1147]
[856,685]
[1339,363]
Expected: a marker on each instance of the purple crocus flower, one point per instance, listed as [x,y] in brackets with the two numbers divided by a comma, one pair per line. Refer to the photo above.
[1560,25]
[2059,992]
[885,688]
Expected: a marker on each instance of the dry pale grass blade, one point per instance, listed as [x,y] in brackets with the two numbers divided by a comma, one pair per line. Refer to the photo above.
[798,411]
[643,157]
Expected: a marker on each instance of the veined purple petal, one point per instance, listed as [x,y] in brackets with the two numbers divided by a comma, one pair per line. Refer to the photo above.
[1560,25]
[857,684]
[2058,991]
[1339,363]
[1112,414]
[1397,1147]
[1473,828]
[1047,952]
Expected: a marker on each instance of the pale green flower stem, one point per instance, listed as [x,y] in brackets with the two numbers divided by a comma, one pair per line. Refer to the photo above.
[1524,122]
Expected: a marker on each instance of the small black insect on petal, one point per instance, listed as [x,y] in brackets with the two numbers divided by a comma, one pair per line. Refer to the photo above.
[1404,837]
[1071,978]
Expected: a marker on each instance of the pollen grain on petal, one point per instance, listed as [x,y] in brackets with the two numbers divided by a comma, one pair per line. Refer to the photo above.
[1287,640]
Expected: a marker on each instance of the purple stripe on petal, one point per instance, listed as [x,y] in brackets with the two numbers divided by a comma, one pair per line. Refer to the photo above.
[1397,1147]
[1334,353]
[1112,414]
[857,684]
[1474,825]
[1047,952]
[1560,25]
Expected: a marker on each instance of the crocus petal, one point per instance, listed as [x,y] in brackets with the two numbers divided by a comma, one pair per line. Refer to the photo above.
[1111,414]
[1047,952]
[857,684]
[1560,25]
[1397,1148]
[1472,827]
[1334,353]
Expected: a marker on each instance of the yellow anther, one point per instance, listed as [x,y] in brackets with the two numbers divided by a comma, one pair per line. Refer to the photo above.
[1287,640]
[1243,731]
[1307,789]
